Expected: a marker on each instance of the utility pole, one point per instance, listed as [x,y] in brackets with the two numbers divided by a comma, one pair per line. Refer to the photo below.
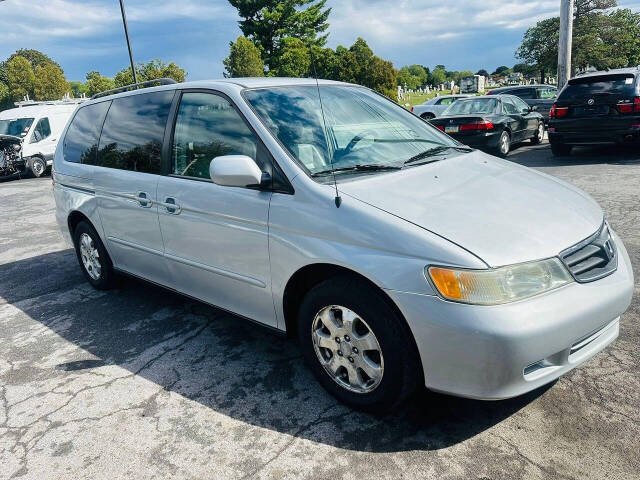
[126,34]
[564,47]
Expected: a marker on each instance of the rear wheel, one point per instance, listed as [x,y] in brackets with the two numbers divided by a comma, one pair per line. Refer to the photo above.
[93,257]
[428,116]
[504,144]
[356,345]
[560,149]
[538,134]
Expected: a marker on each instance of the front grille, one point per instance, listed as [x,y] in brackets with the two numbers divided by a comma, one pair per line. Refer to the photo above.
[593,258]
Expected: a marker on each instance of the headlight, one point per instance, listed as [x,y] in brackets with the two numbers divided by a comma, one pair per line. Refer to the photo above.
[499,285]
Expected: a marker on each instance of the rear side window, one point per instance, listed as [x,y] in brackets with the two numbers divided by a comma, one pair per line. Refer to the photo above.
[133,132]
[547,93]
[524,93]
[615,86]
[81,140]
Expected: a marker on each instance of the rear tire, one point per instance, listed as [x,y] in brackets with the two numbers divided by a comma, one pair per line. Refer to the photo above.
[560,149]
[428,116]
[504,144]
[37,166]
[357,346]
[538,134]
[93,257]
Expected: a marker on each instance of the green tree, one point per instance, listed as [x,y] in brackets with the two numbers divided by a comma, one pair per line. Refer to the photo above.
[268,22]
[482,72]
[294,59]
[150,71]
[325,63]
[438,75]
[244,59]
[463,74]
[78,89]
[20,77]
[501,70]
[50,83]
[5,98]
[97,83]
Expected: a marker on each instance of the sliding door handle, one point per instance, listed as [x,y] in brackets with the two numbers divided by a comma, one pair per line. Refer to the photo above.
[171,206]
[143,199]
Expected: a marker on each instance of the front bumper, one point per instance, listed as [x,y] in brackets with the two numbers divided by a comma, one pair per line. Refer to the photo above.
[496,352]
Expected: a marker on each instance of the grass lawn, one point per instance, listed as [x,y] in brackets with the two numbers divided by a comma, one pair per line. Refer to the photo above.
[418,98]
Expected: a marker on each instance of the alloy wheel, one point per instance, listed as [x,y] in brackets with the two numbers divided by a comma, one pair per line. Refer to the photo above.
[348,349]
[90,256]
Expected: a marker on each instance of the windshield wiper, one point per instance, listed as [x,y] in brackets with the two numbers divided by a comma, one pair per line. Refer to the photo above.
[432,152]
[371,167]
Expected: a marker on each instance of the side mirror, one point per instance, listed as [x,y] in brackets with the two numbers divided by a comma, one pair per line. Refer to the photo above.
[235,171]
[533,108]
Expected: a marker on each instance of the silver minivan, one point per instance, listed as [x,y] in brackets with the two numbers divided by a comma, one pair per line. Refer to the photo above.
[396,255]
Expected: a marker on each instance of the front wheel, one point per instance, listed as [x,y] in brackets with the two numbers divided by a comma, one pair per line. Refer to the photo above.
[538,134]
[38,166]
[356,345]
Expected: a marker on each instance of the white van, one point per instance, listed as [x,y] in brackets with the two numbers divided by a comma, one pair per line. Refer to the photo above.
[38,125]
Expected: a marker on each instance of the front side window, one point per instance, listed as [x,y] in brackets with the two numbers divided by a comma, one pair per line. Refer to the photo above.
[362,128]
[472,106]
[42,130]
[133,132]
[81,141]
[18,127]
[208,126]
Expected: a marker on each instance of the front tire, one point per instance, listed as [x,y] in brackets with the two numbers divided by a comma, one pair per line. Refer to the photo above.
[93,257]
[538,135]
[356,345]
[37,166]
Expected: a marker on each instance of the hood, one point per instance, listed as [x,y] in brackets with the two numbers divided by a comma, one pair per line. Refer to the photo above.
[500,211]
[9,140]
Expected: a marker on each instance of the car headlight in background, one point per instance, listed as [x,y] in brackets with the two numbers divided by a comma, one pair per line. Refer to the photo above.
[499,285]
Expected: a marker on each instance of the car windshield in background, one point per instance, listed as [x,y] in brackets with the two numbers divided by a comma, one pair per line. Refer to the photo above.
[364,130]
[17,127]
[582,87]
[476,105]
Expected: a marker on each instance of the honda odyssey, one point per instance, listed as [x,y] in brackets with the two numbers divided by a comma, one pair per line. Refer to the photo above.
[395,254]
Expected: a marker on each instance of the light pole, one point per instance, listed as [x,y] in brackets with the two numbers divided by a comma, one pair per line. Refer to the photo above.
[564,45]
[126,34]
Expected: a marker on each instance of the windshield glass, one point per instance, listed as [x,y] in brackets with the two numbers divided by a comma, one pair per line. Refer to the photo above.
[362,128]
[17,127]
[476,105]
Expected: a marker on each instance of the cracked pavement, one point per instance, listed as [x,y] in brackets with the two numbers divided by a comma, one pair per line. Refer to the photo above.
[142,383]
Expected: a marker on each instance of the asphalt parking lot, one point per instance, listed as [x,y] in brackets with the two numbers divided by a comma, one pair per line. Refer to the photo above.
[140,383]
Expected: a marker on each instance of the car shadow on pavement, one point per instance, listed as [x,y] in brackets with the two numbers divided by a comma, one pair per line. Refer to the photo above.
[530,156]
[223,362]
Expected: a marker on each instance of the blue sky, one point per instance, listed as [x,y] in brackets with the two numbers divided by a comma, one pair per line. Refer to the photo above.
[87,35]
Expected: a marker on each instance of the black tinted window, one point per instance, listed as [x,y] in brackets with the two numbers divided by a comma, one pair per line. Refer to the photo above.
[611,85]
[524,92]
[133,132]
[81,141]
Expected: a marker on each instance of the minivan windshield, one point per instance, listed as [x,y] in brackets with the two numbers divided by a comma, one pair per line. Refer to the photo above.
[17,127]
[364,130]
[473,106]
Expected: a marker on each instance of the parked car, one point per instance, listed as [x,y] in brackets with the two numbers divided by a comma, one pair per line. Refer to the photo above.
[395,255]
[595,109]
[38,126]
[434,107]
[539,96]
[492,123]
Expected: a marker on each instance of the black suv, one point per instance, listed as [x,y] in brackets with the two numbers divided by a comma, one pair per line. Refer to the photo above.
[539,96]
[596,108]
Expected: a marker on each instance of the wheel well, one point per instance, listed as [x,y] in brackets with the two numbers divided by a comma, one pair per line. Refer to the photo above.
[311,275]
[428,115]
[74,219]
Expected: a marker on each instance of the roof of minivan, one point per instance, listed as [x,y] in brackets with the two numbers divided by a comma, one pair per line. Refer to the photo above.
[35,110]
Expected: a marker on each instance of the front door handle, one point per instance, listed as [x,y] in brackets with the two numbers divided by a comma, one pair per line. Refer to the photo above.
[143,199]
[171,206]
